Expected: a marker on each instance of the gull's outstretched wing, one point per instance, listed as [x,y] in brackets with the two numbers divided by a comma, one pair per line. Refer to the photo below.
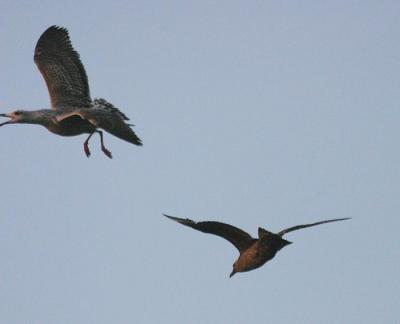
[62,69]
[112,121]
[240,239]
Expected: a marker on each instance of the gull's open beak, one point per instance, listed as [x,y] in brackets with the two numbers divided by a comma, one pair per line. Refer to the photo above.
[7,122]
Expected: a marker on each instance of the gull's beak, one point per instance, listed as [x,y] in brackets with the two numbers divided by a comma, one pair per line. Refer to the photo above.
[7,122]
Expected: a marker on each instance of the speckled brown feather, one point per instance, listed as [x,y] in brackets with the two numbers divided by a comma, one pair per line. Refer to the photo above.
[62,69]
[110,119]
[110,122]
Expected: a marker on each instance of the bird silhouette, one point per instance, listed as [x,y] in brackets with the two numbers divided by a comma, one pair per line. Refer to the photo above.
[73,111]
[253,252]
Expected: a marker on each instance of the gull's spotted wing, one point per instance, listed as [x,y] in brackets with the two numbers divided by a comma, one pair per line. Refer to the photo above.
[62,69]
[105,116]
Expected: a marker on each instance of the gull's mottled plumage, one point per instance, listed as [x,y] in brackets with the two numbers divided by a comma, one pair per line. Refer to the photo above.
[253,252]
[62,70]
[73,111]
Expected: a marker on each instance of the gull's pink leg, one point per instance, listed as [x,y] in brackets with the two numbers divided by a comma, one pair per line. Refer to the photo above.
[103,148]
[86,145]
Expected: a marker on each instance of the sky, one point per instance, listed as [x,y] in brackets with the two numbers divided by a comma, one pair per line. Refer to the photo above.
[253,113]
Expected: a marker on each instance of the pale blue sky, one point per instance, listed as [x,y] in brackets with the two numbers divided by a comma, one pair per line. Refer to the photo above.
[254,113]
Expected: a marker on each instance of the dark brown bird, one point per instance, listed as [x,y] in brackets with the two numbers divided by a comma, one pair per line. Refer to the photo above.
[73,111]
[253,252]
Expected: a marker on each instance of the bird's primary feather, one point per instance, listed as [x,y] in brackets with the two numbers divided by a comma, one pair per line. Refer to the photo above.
[62,69]
[295,228]
[239,238]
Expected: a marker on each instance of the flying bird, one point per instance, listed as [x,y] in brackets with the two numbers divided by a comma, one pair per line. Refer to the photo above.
[72,112]
[253,252]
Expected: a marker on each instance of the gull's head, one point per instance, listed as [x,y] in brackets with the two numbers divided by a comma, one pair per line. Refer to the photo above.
[17,116]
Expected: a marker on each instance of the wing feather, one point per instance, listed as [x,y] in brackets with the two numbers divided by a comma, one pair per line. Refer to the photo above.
[239,238]
[111,121]
[62,69]
[295,228]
